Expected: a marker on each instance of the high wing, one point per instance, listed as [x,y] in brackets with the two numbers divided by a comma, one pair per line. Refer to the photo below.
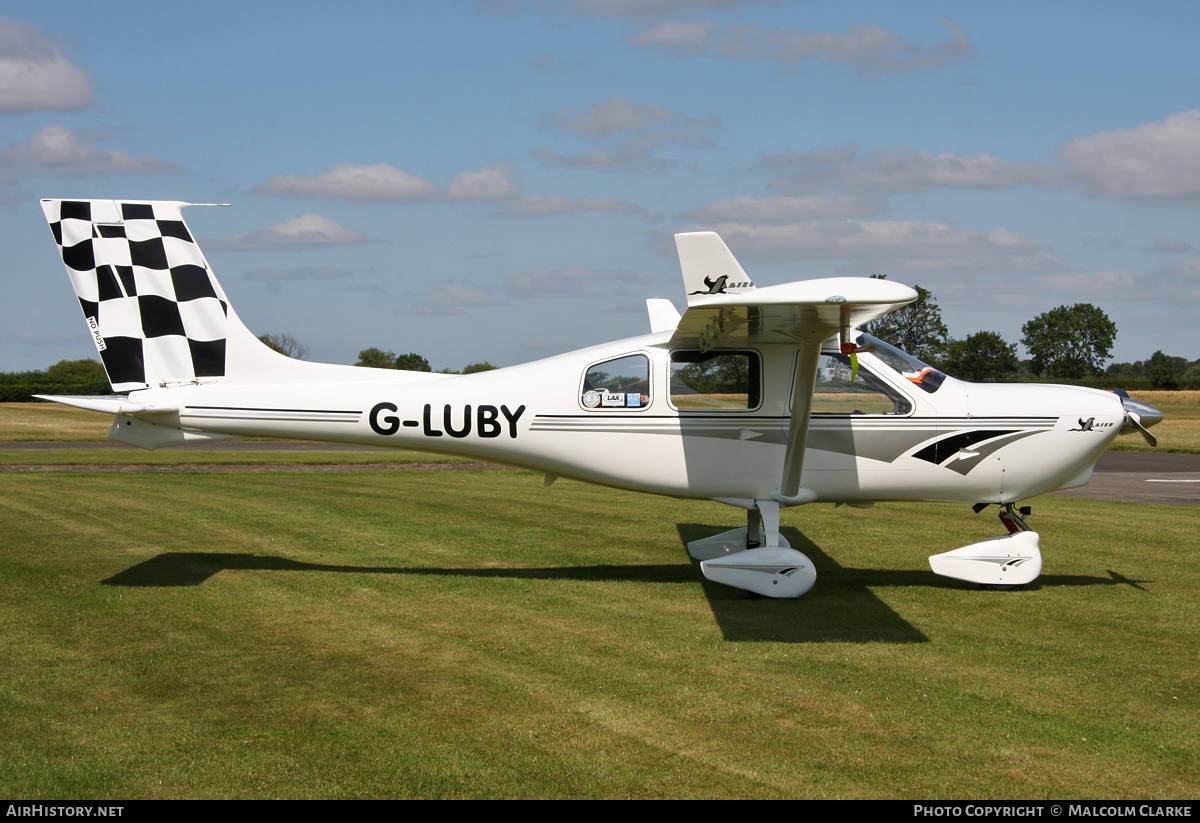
[807,312]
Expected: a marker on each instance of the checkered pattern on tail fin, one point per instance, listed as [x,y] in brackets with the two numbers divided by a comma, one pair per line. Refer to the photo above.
[155,311]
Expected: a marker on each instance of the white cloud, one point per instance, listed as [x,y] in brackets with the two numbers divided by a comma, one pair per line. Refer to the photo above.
[486,184]
[899,169]
[1169,245]
[297,274]
[1116,244]
[628,133]
[650,8]
[1178,284]
[620,114]
[1106,285]
[868,50]
[1187,269]
[565,283]
[546,63]
[1152,162]
[67,153]
[532,207]
[363,288]
[894,246]
[678,36]
[34,74]
[812,159]
[788,209]
[635,9]
[362,183]
[307,231]
[452,296]
[626,157]
[275,278]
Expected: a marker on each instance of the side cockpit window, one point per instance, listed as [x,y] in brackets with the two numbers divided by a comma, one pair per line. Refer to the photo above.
[623,383]
[838,391]
[715,381]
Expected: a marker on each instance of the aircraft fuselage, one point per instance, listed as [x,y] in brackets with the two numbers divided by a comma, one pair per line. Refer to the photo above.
[964,442]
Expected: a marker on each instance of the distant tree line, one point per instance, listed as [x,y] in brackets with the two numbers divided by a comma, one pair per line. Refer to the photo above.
[1162,371]
[87,377]
[1069,343]
[380,359]
[285,344]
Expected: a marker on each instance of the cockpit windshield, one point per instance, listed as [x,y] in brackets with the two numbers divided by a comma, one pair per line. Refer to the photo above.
[924,376]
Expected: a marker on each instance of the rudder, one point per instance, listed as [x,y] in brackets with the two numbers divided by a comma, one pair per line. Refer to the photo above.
[156,313]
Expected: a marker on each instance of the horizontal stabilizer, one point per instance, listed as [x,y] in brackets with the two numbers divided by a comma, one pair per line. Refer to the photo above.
[107,403]
[663,315]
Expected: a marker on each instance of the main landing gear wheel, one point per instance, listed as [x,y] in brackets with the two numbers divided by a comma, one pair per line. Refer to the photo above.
[736,558]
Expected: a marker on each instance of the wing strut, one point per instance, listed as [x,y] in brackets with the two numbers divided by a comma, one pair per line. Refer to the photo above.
[802,400]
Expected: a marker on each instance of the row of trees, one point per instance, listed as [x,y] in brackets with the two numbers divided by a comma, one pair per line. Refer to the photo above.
[1069,342]
[371,358]
[64,377]
[1162,371]
[380,359]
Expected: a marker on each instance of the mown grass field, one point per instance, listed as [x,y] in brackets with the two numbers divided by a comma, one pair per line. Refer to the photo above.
[51,421]
[473,634]
[248,456]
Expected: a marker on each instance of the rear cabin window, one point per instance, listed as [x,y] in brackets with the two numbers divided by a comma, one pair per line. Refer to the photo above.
[836,394]
[623,383]
[715,381]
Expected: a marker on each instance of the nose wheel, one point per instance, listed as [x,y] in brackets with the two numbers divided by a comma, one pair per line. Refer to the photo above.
[999,563]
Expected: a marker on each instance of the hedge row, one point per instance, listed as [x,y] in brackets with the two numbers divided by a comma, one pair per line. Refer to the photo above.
[20,388]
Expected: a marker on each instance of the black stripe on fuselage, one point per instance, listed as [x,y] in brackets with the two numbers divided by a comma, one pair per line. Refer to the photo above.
[250,408]
[939,451]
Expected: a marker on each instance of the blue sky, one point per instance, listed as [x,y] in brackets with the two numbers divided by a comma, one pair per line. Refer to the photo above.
[500,181]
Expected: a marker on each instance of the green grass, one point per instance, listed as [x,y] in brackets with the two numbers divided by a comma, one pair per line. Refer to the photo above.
[215,457]
[472,634]
[51,421]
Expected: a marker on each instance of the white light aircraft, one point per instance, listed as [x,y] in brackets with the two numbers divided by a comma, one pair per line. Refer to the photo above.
[760,398]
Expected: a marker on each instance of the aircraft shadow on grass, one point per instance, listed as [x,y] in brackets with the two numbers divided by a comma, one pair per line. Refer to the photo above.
[844,609]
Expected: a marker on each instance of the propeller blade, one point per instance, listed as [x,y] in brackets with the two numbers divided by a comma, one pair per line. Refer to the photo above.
[1133,419]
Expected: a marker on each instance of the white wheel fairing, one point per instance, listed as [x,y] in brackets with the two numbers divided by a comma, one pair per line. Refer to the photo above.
[1007,560]
[770,571]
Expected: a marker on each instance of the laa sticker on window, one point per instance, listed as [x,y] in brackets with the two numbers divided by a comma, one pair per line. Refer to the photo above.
[623,383]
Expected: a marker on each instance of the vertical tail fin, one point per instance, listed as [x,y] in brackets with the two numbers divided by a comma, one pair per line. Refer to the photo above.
[156,312]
